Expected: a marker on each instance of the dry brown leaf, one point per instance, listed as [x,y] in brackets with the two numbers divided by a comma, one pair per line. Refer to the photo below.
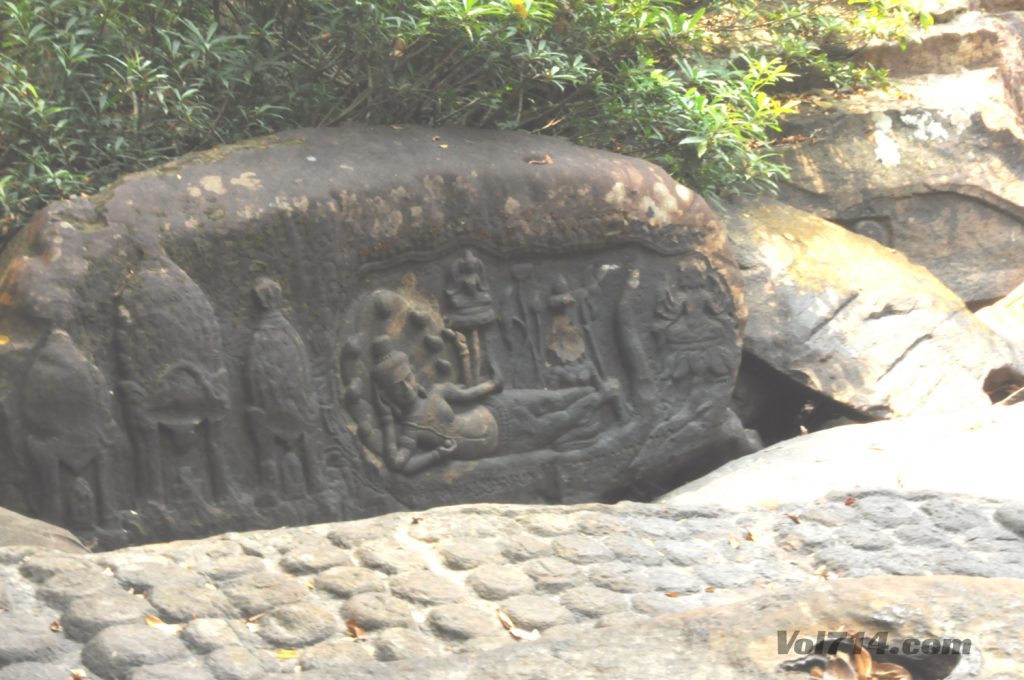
[354,630]
[861,660]
[520,634]
[78,674]
[794,518]
[891,671]
[506,622]
[671,593]
[398,48]
[56,627]
[286,654]
[822,571]
[417,520]
[850,500]
[547,160]
[251,622]
[709,589]
[750,536]
[158,623]
[837,669]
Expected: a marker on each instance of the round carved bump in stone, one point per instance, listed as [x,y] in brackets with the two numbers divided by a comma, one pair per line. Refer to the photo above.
[463,621]
[499,581]
[298,625]
[533,611]
[373,611]
[87,616]
[349,581]
[256,593]
[552,573]
[425,587]
[117,650]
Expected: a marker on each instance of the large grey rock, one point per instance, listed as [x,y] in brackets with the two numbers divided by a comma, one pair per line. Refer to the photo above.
[16,529]
[973,453]
[743,640]
[933,165]
[340,322]
[858,323]
[1006,317]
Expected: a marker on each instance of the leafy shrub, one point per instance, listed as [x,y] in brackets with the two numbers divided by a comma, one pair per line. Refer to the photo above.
[90,89]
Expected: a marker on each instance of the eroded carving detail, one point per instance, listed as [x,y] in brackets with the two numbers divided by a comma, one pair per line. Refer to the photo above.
[70,435]
[282,406]
[175,386]
[693,320]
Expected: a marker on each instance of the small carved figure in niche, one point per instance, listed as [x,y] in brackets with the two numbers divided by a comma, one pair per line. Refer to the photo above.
[574,356]
[282,405]
[176,386]
[70,434]
[424,425]
[470,311]
[693,322]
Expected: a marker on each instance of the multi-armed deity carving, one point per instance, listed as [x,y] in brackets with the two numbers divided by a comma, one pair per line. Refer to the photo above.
[423,382]
[693,321]
[175,386]
[70,436]
[283,406]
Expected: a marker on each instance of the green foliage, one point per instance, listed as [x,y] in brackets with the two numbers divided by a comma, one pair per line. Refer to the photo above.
[92,89]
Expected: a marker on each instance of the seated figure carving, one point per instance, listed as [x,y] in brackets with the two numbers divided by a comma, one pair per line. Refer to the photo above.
[423,425]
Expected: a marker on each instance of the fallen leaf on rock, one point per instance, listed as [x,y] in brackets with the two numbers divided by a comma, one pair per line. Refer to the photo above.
[795,519]
[671,593]
[286,654]
[310,584]
[547,160]
[158,623]
[750,536]
[443,146]
[520,634]
[850,500]
[353,630]
[417,520]
[251,624]
[515,631]
[78,674]
[56,627]
[709,589]
[822,571]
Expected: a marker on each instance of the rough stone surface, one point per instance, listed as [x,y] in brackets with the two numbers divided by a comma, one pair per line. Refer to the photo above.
[818,315]
[715,561]
[1006,317]
[172,371]
[116,651]
[935,172]
[16,529]
[924,454]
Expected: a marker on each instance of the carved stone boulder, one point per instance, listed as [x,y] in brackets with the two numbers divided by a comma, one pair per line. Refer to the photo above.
[335,323]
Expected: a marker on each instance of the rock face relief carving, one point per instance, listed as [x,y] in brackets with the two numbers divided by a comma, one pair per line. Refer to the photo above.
[424,386]
[283,405]
[70,436]
[340,371]
[175,387]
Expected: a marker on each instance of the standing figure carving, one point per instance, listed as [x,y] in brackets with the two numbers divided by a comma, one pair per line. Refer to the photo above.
[282,406]
[693,322]
[470,312]
[70,433]
[175,385]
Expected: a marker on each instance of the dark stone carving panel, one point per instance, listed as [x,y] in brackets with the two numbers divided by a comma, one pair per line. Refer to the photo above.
[338,323]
